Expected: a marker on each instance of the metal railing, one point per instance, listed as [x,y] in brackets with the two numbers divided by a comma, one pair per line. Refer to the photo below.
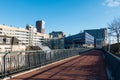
[18,61]
[113,63]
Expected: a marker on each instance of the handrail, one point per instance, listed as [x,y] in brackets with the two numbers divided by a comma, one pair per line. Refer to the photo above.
[17,61]
[113,64]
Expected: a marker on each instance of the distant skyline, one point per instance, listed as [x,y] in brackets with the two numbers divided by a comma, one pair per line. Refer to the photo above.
[69,16]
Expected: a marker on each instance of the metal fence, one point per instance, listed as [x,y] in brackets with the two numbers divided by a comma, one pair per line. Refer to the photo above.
[113,63]
[13,62]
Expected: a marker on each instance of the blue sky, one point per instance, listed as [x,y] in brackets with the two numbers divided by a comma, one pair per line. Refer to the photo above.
[69,16]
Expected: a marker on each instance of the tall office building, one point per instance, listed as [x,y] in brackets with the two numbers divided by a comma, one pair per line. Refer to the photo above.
[100,36]
[40,26]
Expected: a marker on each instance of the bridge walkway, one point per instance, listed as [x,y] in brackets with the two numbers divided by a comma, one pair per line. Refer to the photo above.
[87,66]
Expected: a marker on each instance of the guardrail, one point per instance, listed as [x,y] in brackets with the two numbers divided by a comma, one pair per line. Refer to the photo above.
[13,62]
[113,63]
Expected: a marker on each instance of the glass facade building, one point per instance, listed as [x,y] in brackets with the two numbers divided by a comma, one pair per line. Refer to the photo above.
[100,36]
[79,40]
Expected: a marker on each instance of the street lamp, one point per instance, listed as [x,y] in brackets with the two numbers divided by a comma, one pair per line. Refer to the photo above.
[109,43]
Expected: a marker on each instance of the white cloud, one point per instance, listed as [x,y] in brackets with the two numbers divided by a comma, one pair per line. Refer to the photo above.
[112,3]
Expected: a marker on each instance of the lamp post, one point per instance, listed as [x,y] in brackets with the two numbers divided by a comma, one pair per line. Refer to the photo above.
[35,39]
[109,43]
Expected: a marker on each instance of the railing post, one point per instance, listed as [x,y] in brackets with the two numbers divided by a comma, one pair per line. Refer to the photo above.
[50,57]
[34,59]
[4,64]
[40,61]
[28,60]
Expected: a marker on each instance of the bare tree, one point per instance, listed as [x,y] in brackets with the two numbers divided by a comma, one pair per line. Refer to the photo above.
[114,28]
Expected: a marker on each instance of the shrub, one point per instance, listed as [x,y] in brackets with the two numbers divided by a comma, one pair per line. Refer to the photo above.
[115,48]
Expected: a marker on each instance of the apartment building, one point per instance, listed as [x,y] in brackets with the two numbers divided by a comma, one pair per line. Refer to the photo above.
[26,36]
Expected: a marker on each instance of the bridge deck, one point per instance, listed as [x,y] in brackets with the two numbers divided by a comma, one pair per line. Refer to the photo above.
[88,66]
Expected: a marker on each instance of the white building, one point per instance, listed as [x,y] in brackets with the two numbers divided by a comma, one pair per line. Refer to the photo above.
[25,36]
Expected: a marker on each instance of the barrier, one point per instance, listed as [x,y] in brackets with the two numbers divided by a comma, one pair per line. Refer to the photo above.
[113,63]
[18,61]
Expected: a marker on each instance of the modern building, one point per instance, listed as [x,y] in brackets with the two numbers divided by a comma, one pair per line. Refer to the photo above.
[40,26]
[56,40]
[25,36]
[57,43]
[100,36]
[56,34]
[79,40]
